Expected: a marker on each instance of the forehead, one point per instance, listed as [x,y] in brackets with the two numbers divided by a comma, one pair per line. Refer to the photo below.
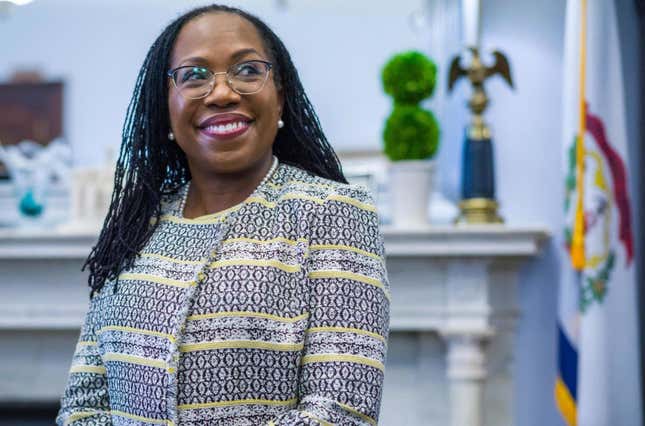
[216,37]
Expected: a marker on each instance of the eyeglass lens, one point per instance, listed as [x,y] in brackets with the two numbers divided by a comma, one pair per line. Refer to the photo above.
[244,78]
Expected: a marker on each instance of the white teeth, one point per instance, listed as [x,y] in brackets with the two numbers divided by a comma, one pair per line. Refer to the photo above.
[225,128]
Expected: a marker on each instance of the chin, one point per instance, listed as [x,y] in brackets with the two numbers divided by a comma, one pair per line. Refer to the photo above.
[231,162]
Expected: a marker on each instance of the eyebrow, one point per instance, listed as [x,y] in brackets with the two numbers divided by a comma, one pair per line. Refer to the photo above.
[243,52]
[237,55]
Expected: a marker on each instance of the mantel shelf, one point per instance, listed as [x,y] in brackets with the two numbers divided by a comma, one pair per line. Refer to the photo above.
[435,241]
[465,241]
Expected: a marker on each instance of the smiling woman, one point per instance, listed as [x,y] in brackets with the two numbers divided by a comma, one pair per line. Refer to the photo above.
[238,279]
[243,97]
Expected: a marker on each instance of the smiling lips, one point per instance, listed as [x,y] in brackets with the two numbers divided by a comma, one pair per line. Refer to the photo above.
[225,126]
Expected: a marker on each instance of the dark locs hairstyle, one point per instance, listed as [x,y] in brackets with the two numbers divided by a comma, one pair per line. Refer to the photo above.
[150,166]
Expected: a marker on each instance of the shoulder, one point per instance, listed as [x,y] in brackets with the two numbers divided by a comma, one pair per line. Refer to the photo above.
[326,191]
[342,216]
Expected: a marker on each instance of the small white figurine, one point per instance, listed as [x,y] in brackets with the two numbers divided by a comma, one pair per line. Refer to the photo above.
[90,194]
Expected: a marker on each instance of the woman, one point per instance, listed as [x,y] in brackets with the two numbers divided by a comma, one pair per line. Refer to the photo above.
[238,280]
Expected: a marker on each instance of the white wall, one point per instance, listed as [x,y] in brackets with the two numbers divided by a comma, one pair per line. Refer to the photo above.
[339,48]
[98,47]
[527,131]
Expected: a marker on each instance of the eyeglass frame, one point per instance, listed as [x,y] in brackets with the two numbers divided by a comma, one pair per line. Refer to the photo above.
[268,64]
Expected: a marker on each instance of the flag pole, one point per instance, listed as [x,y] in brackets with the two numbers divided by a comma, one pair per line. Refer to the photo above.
[578,240]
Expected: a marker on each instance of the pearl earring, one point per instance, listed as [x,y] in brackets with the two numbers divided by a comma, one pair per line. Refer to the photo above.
[171,136]
[280,124]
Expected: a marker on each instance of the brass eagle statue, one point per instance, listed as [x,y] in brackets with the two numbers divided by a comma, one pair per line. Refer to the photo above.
[478,203]
[477,73]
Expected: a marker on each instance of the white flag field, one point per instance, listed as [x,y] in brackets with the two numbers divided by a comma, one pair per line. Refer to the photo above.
[599,374]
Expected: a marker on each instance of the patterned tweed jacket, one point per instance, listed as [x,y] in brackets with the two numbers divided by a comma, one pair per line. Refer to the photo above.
[273,312]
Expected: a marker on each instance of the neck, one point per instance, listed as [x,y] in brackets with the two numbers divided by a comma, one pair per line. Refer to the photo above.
[212,192]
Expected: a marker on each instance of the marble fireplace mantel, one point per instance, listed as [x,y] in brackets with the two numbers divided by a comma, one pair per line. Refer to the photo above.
[458,283]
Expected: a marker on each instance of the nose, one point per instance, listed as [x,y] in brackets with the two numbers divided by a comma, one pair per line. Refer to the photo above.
[221,94]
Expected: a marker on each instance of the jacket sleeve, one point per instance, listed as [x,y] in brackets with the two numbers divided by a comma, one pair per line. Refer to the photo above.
[342,368]
[85,401]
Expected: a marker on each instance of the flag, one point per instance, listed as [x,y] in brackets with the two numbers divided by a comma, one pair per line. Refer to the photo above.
[598,381]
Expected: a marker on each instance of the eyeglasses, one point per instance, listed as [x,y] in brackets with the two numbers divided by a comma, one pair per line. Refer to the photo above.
[245,78]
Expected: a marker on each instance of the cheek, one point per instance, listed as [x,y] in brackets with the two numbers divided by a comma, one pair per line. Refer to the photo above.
[272,108]
[176,108]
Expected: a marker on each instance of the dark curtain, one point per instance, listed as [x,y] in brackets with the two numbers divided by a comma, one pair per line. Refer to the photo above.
[638,213]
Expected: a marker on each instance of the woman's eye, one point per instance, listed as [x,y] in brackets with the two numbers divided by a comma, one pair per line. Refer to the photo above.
[194,74]
[248,69]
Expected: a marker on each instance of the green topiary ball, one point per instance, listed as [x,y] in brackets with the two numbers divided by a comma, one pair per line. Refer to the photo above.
[409,77]
[411,133]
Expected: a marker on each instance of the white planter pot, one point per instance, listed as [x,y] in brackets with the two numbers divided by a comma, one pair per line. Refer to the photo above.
[411,183]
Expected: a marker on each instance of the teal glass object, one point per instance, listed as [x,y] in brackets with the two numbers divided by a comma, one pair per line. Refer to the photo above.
[28,205]
[33,168]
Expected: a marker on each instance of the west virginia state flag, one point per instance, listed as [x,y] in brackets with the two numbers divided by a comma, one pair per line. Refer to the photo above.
[598,354]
